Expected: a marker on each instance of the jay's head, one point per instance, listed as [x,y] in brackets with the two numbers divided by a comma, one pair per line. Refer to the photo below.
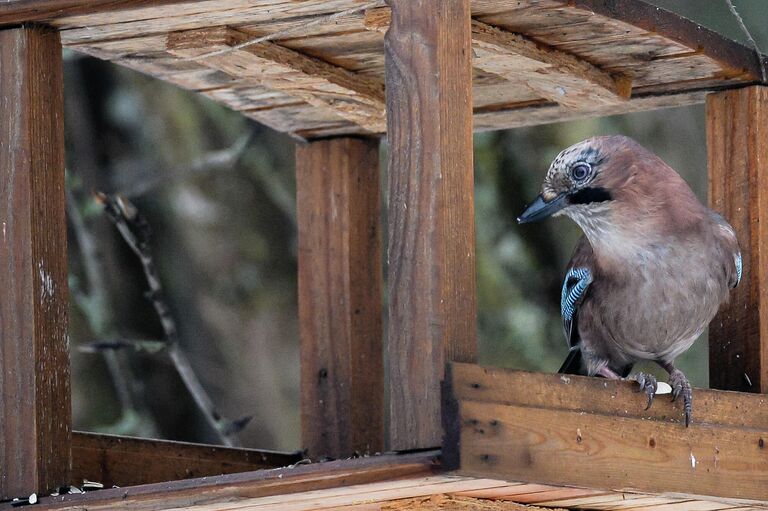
[582,178]
[605,176]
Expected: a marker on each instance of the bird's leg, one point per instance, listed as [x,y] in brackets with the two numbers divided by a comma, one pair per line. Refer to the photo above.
[647,382]
[680,385]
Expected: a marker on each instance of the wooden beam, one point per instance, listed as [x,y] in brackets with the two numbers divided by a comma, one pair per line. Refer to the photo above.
[737,151]
[25,11]
[353,97]
[340,295]
[431,210]
[555,75]
[124,461]
[528,426]
[35,416]
[227,489]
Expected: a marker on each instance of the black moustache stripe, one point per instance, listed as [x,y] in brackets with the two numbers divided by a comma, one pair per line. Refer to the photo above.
[590,195]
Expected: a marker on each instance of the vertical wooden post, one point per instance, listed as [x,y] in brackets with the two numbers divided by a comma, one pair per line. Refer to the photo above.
[737,148]
[35,415]
[431,210]
[342,380]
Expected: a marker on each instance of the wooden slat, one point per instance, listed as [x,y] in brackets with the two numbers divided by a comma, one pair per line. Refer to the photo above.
[596,395]
[340,292]
[25,11]
[352,97]
[125,461]
[35,416]
[737,150]
[431,211]
[262,483]
[515,426]
[555,75]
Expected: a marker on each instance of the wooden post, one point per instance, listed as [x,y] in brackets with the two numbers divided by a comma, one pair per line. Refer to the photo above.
[737,147]
[431,210]
[35,415]
[342,380]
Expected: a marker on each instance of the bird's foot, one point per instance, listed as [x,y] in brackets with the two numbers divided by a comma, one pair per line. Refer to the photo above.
[647,383]
[680,385]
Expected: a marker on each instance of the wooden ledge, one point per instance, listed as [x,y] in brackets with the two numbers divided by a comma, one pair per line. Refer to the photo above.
[127,461]
[261,483]
[595,433]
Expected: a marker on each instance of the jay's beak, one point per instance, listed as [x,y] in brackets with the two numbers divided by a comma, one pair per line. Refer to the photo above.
[540,208]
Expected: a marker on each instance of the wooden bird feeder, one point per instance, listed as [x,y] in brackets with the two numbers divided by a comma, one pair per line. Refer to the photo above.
[337,75]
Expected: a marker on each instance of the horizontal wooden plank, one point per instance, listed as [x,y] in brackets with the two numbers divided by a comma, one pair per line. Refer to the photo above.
[356,98]
[126,461]
[261,483]
[598,395]
[527,426]
[24,11]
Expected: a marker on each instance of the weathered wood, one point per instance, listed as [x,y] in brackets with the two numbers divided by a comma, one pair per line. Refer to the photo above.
[553,74]
[25,11]
[737,151]
[340,294]
[35,415]
[125,461]
[355,98]
[431,211]
[262,483]
[666,69]
[529,426]
[596,395]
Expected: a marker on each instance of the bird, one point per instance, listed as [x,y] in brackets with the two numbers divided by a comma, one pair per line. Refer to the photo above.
[651,269]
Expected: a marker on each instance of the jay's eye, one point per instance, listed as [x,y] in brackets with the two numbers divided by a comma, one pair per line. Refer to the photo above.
[580,171]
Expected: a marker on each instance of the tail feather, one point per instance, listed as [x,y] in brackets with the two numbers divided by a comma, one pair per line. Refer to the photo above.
[573,363]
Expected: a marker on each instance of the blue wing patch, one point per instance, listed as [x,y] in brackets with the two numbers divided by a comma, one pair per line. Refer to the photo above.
[738,268]
[573,292]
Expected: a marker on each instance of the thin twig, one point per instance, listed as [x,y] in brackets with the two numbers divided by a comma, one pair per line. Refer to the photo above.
[224,159]
[322,20]
[135,231]
[749,36]
[94,304]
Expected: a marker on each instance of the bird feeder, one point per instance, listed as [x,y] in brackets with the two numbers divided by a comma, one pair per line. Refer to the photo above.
[337,75]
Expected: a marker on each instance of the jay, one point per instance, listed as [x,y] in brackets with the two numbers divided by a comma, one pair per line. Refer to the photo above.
[652,269]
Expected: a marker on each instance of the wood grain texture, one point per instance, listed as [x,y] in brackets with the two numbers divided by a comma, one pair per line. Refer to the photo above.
[551,73]
[340,297]
[528,426]
[262,483]
[508,441]
[431,210]
[666,68]
[35,415]
[356,98]
[596,395]
[125,461]
[737,150]
[25,11]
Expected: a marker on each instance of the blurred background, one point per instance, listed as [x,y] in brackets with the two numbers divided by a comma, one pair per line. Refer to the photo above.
[218,192]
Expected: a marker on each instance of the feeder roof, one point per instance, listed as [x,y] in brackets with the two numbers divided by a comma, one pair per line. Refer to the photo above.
[317,66]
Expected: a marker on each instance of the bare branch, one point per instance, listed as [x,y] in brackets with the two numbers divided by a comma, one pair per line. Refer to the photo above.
[135,231]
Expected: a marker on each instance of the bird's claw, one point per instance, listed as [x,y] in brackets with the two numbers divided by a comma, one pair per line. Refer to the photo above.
[680,385]
[647,383]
